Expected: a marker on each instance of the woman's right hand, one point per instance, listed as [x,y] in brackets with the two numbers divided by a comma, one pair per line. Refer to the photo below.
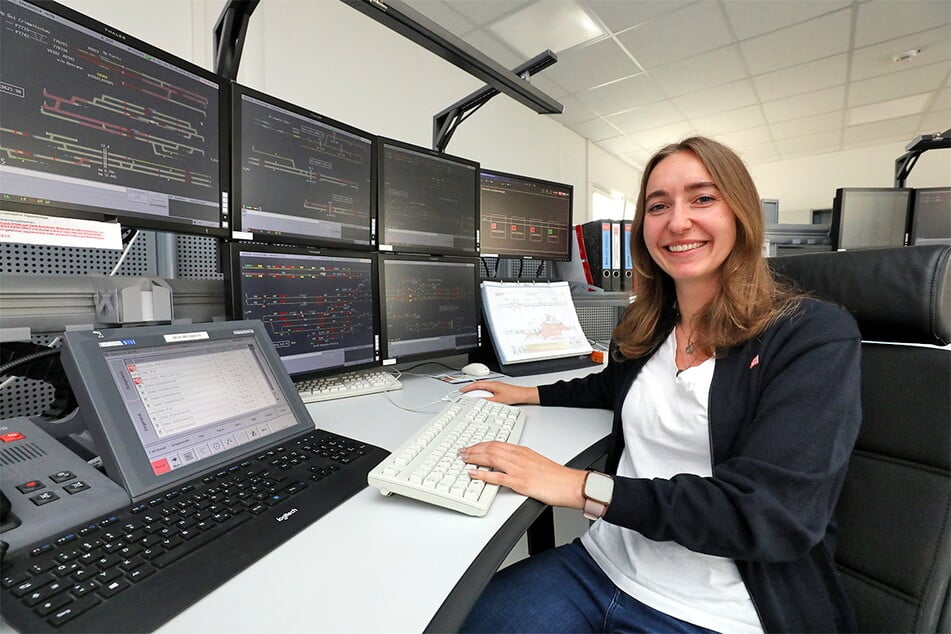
[505,392]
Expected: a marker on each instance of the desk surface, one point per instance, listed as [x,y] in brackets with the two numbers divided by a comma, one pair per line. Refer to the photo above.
[387,564]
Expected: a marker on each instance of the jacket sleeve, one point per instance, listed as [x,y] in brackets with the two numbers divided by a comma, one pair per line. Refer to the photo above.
[776,479]
[598,390]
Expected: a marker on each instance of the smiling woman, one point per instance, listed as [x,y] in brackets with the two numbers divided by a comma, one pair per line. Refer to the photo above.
[736,406]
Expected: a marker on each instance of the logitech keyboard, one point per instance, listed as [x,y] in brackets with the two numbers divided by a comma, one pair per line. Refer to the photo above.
[347,384]
[133,570]
[427,467]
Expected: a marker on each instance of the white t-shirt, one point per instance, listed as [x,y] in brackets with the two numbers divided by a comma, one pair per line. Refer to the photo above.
[666,432]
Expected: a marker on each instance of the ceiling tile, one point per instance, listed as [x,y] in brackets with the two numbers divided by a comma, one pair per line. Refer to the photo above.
[881,20]
[621,95]
[575,111]
[807,77]
[544,83]
[656,138]
[818,143]
[710,69]
[652,116]
[490,45]
[443,14]
[807,125]
[622,144]
[667,39]
[875,60]
[740,138]
[755,17]
[483,12]
[887,109]
[884,87]
[934,122]
[596,129]
[546,25]
[619,15]
[592,65]
[717,99]
[942,100]
[815,39]
[900,129]
[825,100]
[758,154]
[723,122]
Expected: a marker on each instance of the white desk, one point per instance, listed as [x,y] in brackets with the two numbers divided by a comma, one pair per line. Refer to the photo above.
[387,564]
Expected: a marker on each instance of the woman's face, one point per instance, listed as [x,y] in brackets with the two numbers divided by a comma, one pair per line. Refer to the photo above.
[688,228]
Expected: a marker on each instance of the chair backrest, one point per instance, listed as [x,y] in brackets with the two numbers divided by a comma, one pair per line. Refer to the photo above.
[894,513]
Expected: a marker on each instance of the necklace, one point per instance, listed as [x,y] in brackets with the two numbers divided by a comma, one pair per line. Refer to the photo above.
[689,349]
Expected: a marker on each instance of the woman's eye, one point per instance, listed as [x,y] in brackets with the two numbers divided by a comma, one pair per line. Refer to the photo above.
[705,199]
[655,208]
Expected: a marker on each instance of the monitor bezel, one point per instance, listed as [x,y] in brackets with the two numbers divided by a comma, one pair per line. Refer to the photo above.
[64,209]
[913,230]
[231,268]
[515,254]
[835,228]
[388,358]
[123,456]
[237,92]
[386,247]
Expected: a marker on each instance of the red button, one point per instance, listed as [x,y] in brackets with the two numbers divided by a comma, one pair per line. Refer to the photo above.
[11,436]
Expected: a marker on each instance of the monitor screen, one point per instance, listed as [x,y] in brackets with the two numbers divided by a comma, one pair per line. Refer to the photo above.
[430,306]
[299,177]
[870,218]
[96,124]
[164,403]
[524,217]
[429,202]
[319,307]
[931,217]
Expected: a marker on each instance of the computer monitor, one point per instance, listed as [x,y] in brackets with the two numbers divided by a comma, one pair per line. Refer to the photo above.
[522,217]
[300,177]
[319,307]
[99,125]
[931,216]
[870,217]
[428,202]
[429,306]
[770,207]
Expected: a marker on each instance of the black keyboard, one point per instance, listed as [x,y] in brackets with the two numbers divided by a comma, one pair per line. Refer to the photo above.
[136,569]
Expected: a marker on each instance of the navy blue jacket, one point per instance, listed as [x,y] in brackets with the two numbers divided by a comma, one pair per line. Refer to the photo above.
[784,413]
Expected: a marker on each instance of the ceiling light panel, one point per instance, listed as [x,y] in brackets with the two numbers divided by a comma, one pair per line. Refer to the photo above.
[546,25]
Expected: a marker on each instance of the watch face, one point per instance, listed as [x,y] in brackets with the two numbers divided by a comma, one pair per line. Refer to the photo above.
[598,486]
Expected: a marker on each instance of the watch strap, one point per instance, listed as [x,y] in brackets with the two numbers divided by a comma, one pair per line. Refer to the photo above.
[593,509]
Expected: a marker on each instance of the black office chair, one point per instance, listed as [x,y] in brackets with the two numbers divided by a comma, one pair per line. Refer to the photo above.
[894,515]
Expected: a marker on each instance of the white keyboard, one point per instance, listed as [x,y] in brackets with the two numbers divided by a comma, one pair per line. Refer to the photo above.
[427,467]
[347,384]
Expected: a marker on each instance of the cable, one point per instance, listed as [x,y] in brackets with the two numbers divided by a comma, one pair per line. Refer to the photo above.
[42,354]
[417,409]
[125,252]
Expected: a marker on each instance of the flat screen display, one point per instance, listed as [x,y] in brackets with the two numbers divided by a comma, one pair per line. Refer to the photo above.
[522,217]
[931,218]
[319,308]
[429,202]
[430,306]
[300,177]
[96,124]
[870,218]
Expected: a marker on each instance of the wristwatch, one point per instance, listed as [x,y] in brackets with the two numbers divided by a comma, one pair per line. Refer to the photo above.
[598,490]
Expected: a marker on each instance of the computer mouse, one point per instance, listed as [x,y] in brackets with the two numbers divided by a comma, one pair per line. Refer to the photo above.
[476,369]
[478,394]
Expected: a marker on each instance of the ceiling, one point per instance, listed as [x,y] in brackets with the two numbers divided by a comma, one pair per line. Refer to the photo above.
[774,79]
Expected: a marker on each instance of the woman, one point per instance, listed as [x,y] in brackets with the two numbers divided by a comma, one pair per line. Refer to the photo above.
[736,407]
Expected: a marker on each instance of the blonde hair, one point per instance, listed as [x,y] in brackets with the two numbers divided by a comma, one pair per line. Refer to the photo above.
[749,298]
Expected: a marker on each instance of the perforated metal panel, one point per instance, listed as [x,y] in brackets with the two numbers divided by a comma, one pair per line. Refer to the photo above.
[196,257]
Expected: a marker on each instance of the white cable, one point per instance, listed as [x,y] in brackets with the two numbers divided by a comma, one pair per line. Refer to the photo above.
[125,252]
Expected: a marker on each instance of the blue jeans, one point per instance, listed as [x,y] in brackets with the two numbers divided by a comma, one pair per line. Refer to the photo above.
[564,590]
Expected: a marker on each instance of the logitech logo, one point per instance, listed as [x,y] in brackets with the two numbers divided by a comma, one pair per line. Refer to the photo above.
[287,515]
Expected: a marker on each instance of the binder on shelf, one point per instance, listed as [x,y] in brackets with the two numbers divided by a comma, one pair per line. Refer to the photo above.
[534,327]
[597,240]
[616,259]
[628,263]
[577,269]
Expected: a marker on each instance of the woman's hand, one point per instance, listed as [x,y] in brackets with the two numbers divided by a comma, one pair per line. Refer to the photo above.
[527,472]
[505,393]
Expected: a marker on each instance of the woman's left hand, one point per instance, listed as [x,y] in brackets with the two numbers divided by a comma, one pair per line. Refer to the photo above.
[527,472]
